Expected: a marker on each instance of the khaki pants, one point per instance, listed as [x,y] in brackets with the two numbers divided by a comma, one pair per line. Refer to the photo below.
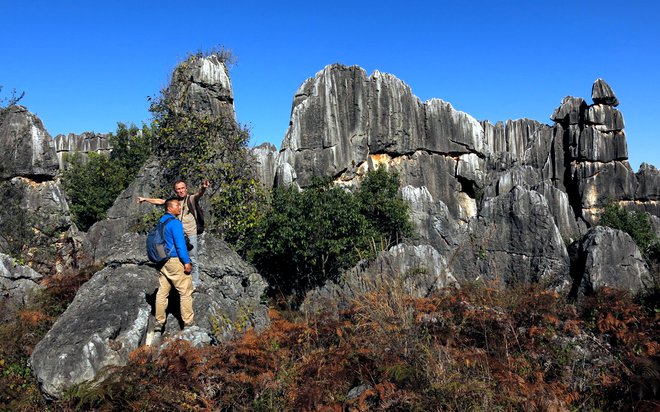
[172,274]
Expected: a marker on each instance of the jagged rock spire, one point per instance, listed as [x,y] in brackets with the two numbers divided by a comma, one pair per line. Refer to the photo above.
[601,93]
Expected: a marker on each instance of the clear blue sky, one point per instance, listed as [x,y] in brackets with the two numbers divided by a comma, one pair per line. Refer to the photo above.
[86,65]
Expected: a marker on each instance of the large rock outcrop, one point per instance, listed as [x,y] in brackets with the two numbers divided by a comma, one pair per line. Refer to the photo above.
[35,212]
[112,313]
[19,285]
[28,149]
[522,188]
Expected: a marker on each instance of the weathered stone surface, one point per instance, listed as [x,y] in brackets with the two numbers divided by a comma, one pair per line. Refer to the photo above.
[28,149]
[569,227]
[451,131]
[54,241]
[597,146]
[598,183]
[84,143]
[413,270]
[648,178]
[110,314]
[202,85]
[514,240]
[432,220]
[125,215]
[609,257]
[570,111]
[601,93]
[265,156]
[604,118]
[18,286]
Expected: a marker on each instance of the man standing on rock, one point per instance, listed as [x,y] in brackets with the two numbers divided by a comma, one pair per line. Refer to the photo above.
[176,271]
[192,218]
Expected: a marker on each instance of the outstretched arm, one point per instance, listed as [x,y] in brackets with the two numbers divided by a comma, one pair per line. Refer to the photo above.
[152,200]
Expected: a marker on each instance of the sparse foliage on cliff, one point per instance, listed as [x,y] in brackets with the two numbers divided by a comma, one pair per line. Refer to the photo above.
[309,237]
[93,184]
[6,102]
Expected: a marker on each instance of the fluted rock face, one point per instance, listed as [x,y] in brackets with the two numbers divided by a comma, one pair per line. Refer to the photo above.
[28,181]
[27,148]
[202,85]
[19,286]
[515,239]
[82,144]
[536,187]
[609,257]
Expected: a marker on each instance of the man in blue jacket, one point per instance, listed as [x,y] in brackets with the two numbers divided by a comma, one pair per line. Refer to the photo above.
[176,271]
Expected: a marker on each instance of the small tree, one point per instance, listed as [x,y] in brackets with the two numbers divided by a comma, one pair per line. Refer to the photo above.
[310,237]
[93,184]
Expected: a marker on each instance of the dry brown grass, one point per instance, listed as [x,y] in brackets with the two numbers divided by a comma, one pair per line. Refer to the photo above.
[478,348]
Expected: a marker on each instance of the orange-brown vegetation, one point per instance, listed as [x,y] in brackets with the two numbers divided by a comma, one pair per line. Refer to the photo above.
[477,348]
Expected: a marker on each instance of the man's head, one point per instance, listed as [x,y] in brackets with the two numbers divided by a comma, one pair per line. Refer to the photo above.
[173,206]
[180,188]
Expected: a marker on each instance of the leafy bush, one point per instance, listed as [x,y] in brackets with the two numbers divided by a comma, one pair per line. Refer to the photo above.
[93,184]
[311,236]
[195,146]
[636,224]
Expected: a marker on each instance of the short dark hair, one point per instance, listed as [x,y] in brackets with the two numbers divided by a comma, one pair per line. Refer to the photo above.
[180,181]
[169,201]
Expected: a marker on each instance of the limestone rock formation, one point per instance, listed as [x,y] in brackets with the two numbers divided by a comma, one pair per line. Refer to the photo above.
[523,188]
[28,149]
[110,315]
[32,193]
[18,285]
[415,270]
[609,257]
[82,144]
[203,86]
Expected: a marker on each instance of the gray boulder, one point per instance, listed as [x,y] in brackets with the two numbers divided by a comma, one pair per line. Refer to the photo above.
[19,285]
[202,85]
[111,314]
[609,257]
[414,270]
[28,149]
[514,240]
[601,93]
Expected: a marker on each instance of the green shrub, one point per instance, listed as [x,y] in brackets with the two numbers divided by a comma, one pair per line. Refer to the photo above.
[311,236]
[93,184]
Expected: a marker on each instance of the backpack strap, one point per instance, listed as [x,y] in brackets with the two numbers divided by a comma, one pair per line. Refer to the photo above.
[162,230]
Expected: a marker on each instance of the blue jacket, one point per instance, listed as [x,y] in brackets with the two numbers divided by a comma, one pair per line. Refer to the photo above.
[174,238]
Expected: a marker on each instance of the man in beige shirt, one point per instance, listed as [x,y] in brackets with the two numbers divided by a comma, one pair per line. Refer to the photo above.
[190,217]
